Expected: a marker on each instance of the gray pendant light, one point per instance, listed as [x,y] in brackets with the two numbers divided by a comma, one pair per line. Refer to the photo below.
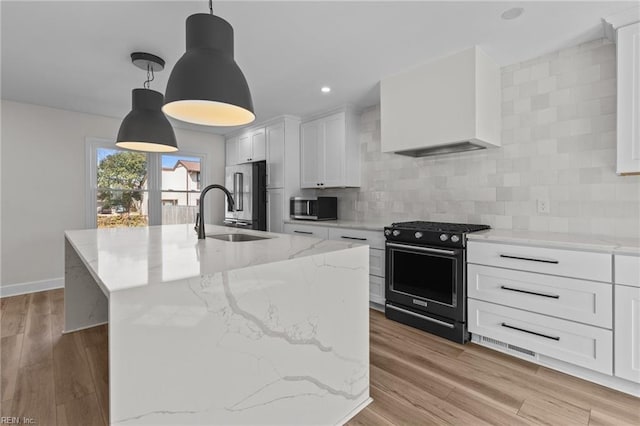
[206,86]
[146,128]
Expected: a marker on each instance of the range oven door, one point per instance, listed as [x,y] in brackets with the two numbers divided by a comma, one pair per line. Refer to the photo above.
[427,279]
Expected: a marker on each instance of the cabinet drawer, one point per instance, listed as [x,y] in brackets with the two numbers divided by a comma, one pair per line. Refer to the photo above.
[578,344]
[376,262]
[577,300]
[307,231]
[627,270]
[568,263]
[376,290]
[375,239]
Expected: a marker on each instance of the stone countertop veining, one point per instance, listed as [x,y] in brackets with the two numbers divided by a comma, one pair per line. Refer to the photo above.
[560,240]
[133,257]
[352,224]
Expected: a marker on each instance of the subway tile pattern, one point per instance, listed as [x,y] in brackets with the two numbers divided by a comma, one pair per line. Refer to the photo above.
[559,145]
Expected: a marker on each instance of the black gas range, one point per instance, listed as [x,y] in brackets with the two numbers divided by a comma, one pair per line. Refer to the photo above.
[426,279]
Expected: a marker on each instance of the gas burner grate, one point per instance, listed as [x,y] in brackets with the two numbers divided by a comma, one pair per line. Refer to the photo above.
[440,226]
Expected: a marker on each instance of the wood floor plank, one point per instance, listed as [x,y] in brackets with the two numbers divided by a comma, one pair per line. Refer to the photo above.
[94,335]
[413,395]
[448,370]
[83,411]
[551,411]
[36,346]
[472,349]
[10,348]
[368,417]
[98,357]
[399,412]
[40,303]
[486,409]
[34,395]
[13,317]
[619,418]
[71,369]
[57,301]
[426,380]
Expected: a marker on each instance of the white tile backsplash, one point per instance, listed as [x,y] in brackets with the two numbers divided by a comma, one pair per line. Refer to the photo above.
[559,143]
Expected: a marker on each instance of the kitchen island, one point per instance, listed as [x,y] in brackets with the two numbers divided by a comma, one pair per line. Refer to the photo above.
[272,331]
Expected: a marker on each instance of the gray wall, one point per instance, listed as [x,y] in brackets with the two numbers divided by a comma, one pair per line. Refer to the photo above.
[44,187]
[559,143]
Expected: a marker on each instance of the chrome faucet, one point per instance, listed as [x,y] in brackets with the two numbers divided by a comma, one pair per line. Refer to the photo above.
[200,218]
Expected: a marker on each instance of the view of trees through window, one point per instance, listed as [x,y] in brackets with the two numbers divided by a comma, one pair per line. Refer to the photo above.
[121,179]
[123,188]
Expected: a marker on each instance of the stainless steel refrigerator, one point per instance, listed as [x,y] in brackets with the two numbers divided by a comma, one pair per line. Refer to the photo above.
[248,185]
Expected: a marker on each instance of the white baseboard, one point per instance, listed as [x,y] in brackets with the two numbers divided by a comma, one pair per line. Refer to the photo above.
[30,287]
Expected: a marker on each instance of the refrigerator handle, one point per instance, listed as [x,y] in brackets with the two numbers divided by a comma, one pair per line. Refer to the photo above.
[237,190]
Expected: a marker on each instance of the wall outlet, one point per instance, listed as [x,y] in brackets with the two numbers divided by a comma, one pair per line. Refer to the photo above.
[543,206]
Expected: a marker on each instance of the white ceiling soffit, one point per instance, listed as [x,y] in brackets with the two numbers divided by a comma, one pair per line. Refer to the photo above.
[75,55]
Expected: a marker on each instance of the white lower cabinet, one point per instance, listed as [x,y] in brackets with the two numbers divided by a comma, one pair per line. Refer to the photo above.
[374,239]
[627,333]
[578,300]
[307,230]
[376,289]
[579,344]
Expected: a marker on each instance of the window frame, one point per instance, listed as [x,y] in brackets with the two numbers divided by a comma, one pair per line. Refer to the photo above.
[154,178]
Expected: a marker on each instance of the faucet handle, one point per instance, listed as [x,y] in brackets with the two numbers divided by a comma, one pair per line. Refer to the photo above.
[197,222]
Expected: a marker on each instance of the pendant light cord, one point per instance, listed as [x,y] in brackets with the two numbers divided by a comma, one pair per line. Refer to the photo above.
[211,7]
[150,77]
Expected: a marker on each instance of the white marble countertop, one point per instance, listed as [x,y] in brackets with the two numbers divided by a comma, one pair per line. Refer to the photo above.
[353,224]
[124,258]
[560,240]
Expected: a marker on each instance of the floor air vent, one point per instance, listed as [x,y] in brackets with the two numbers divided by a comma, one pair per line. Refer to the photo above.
[506,346]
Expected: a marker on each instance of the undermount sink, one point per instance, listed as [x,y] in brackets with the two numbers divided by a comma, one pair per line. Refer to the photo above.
[234,238]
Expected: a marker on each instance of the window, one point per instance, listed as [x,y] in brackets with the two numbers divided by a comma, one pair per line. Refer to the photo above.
[180,182]
[130,188]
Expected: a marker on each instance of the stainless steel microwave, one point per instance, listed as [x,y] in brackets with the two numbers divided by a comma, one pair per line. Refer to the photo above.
[319,208]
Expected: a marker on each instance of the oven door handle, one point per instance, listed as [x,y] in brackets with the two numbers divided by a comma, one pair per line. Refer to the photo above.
[408,312]
[422,249]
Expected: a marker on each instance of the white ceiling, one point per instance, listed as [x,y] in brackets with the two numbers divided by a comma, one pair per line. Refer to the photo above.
[75,55]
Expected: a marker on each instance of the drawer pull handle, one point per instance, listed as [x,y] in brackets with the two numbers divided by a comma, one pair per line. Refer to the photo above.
[519,290]
[531,259]
[303,232]
[353,238]
[546,336]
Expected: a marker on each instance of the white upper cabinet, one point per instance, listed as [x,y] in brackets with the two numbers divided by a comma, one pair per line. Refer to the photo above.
[231,151]
[275,155]
[451,104]
[329,152]
[251,146]
[628,132]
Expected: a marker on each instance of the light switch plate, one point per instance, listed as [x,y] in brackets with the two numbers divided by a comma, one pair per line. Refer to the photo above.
[543,206]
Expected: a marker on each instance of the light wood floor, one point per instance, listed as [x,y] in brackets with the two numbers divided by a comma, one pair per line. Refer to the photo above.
[416,378]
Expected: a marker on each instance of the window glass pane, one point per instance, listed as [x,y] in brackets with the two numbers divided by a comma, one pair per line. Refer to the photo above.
[122,208]
[121,180]
[180,173]
[181,185]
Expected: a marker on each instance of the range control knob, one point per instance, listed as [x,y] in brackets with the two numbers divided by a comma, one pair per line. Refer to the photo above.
[387,232]
[396,233]
[444,237]
[418,235]
[455,238]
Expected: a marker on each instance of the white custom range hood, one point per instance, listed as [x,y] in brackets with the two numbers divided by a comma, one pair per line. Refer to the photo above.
[449,105]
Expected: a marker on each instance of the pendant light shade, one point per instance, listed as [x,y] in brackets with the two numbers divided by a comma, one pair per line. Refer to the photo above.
[146,128]
[206,86]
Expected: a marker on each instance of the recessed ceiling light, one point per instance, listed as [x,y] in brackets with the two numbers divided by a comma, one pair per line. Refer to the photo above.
[325,89]
[512,13]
